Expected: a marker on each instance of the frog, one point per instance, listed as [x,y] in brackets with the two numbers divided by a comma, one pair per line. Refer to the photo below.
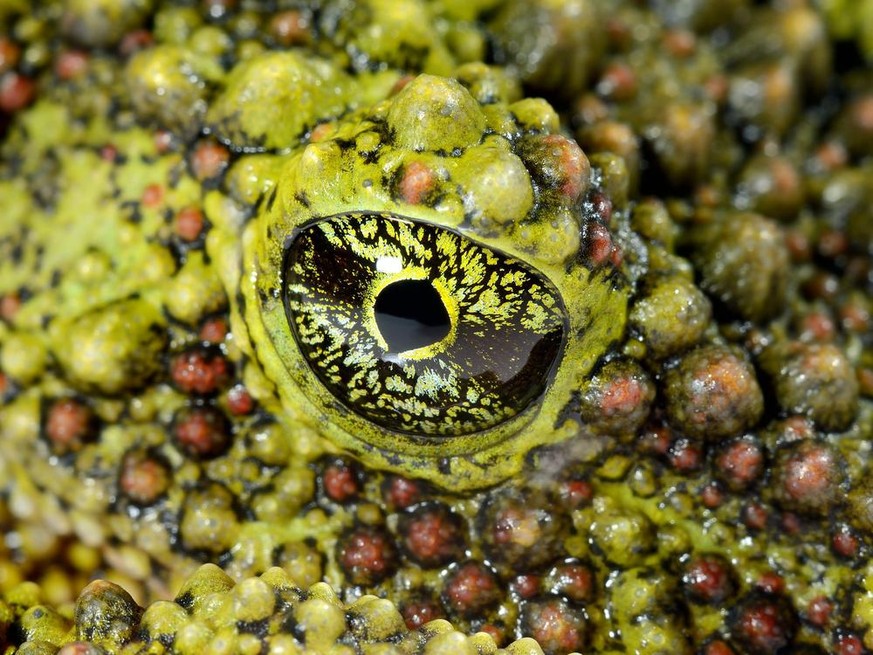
[316,340]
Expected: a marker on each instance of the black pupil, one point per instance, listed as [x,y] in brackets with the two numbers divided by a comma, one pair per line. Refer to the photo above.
[410,314]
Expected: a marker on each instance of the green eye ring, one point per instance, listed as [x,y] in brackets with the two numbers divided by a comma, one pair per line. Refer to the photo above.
[595,304]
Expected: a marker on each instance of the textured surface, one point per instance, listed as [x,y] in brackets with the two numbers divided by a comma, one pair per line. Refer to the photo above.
[683,189]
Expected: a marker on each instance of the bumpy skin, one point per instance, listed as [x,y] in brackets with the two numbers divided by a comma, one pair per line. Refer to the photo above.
[479,167]
[208,444]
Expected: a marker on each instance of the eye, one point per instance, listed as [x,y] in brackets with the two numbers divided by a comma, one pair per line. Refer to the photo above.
[417,328]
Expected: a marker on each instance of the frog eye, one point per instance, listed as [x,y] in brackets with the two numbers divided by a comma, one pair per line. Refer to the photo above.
[418,328]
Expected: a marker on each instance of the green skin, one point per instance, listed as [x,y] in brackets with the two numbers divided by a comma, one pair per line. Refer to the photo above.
[113,294]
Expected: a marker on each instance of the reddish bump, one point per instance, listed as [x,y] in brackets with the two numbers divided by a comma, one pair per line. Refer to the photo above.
[618,82]
[685,456]
[754,516]
[16,92]
[709,578]
[832,243]
[831,155]
[525,586]
[680,43]
[152,196]
[845,543]
[798,245]
[770,582]
[818,611]
[656,440]
[290,28]
[718,647]
[200,371]
[71,64]
[559,163]
[134,41]
[109,153]
[817,326]
[240,401]
[764,623]
[69,425]
[575,493]
[740,463]
[367,555]
[400,492]
[432,535]
[470,589]
[849,643]
[555,625]
[213,330]
[420,611]
[573,580]
[188,223]
[416,182]
[600,245]
[321,132]
[712,495]
[10,304]
[144,477]
[400,84]
[209,160]
[9,54]
[164,141]
[202,432]
[341,481]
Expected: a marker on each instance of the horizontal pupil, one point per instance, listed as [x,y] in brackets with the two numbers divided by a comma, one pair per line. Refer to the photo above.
[410,314]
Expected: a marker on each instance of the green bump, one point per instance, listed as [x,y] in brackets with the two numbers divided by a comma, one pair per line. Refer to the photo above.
[450,643]
[524,646]
[209,521]
[671,315]
[253,600]
[495,183]
[163,620]
[270,98]
[113,349]
[435,113]
[207,579]
[322,623]
[168,85]
[106,614]
[375,619]
[624,537]
[23,357]
[195,291]
[102,23]
[41,623]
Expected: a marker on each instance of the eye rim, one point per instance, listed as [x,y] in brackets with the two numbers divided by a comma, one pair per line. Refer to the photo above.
[432,445]
[596,302]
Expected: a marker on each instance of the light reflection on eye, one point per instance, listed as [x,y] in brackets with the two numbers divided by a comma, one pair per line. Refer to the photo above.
[389,264]
[418,328]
